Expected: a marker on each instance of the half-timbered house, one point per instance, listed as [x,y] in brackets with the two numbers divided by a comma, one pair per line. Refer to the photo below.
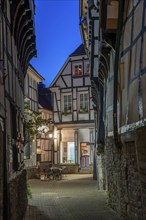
[17,47]
[73,114]
[32,79]
[45,142]
[114,35]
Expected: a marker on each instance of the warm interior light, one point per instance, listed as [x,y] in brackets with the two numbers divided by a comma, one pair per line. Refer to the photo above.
[55,134]
[50,135]
[40,151]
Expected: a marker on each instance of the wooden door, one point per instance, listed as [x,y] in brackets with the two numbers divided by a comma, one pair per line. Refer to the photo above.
[85,155]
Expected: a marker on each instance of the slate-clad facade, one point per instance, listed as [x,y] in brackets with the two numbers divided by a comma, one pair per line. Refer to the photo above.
[73,113]
[17,47]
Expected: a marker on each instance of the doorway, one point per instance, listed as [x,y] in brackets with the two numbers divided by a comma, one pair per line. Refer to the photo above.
[85,155]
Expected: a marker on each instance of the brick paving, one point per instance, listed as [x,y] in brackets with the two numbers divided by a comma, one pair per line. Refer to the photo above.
[75,197]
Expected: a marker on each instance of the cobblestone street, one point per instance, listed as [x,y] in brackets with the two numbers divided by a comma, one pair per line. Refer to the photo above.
[74,197]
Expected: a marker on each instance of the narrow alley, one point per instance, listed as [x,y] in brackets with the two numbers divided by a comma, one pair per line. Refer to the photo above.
[72,198]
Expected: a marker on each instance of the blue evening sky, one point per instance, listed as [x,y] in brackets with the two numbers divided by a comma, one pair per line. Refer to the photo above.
[57,35]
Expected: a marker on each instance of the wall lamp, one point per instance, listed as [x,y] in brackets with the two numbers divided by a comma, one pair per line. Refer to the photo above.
[50,135]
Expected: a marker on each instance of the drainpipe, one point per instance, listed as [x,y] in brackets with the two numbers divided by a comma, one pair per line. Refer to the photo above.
[117,51]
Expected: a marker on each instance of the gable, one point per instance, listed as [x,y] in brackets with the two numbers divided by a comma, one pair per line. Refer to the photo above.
[59,80]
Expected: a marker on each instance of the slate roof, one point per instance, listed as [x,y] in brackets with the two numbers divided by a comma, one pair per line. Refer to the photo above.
[79,51]
[44,97]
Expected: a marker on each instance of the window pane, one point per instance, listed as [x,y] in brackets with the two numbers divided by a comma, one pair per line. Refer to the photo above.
[87,69]
[80,70]
[81,97]
[65,99]
[71,152]
[67,103]
[68,152]
[84,102]
[77,70]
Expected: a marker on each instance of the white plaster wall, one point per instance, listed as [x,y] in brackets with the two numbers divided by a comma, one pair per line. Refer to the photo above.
[82,89]
[87,81]
[56,118]
[92,114]
[54,103]
[75,115]
[83,135]
[77,82]
[67,69]
[74,93]
[66,90]
[67,80]
[67,117]
[74,105]
[83,116]
[60,83]
[67,135]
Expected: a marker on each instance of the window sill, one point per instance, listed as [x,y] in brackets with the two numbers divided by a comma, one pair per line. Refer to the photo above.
[66,114]
[83,111]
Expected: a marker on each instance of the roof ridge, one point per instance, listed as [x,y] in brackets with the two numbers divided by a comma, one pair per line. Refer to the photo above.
[80,50]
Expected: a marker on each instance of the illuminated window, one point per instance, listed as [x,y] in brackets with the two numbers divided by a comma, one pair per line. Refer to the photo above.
[87,69]
[68,152]
[77,70]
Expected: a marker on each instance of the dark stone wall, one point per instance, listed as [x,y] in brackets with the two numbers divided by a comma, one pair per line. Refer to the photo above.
[101,171]
[141,154]
[32,172]
[1,174]
[126,175]
[18,196]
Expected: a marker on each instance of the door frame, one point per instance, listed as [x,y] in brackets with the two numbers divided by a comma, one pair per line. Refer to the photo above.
[86,156]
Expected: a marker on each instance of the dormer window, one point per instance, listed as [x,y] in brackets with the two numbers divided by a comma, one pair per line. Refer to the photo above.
[77,69]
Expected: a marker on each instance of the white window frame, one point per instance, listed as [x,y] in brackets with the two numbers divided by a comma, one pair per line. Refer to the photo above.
[86,64]
[68,155]
[67,107]
[84,103]
[79,69]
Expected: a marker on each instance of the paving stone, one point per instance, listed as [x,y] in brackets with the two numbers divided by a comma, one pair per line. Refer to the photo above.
[75,197]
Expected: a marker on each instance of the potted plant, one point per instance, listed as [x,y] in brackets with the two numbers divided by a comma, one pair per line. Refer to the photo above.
[83,110]
[66,112]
